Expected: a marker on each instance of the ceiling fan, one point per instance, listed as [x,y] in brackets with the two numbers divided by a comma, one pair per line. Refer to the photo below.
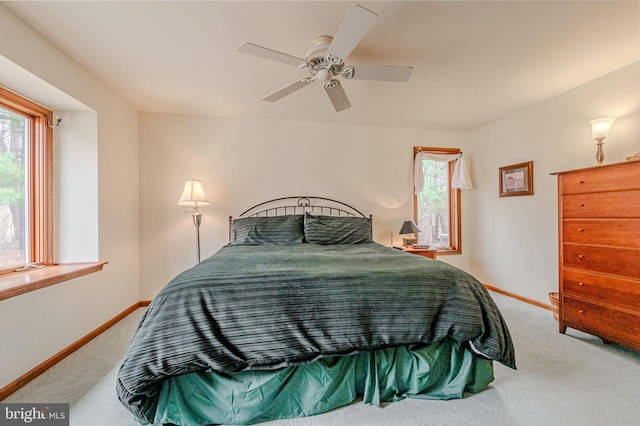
[325,60]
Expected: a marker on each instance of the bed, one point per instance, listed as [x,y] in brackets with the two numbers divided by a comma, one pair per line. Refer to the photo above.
[302,312]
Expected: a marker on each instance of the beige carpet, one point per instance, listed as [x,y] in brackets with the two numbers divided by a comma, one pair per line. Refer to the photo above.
[563,380]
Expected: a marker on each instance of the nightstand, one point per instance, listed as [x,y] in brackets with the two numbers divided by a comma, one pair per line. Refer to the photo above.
[421,252]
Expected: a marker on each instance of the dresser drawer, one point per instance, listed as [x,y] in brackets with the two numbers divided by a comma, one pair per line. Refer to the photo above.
[613,291]
[608,260]
[620,177]
[609,232]
[623,204]
[610,324]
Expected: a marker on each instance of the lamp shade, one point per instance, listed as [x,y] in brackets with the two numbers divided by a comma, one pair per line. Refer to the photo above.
[193,194]
[409,227]
[600,127]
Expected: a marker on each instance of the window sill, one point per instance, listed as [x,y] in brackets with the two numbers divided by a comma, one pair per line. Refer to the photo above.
[23,282]
[452,251]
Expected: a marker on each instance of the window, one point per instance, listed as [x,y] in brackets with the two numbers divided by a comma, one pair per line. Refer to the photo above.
[26,159]
[436,202]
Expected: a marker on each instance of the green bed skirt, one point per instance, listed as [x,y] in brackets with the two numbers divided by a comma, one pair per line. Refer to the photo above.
[442,370]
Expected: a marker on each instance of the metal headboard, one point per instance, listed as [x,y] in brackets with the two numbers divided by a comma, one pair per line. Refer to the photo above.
[300,204]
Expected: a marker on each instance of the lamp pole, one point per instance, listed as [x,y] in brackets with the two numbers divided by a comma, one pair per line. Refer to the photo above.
[599,151]
[197,219]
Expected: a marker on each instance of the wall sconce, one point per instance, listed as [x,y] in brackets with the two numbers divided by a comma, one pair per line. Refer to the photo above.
[409,227]
[600,129]
[193,196]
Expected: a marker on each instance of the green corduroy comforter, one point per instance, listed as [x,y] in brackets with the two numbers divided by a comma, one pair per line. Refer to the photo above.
[269,308]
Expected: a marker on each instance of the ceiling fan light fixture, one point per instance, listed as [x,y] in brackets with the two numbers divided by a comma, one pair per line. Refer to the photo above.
[324,74]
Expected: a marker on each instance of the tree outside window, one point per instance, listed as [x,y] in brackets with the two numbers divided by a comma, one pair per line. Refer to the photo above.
[433,205]
[437,205]
[13,237]
[26,183]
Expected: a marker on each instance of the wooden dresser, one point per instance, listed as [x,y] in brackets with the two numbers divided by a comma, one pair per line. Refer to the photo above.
[599,251]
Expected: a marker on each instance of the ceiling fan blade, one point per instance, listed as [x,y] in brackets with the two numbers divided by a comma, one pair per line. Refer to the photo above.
[369,72]
[274,55]
[287,90]
[337,95]
[354,26]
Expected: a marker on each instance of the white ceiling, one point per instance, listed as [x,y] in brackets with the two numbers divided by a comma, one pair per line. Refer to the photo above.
[474,61]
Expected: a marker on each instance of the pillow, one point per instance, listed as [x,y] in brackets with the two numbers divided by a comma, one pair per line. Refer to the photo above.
[337,229]
[268,230]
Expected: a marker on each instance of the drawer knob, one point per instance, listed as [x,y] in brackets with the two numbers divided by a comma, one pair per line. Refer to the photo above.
[581,284]
[580,229]
[581,311]
[581,205]
[581,181]
[580,258]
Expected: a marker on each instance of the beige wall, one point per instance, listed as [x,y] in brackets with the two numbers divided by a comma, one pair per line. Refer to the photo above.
[243,162]
[96,202]
[513,240]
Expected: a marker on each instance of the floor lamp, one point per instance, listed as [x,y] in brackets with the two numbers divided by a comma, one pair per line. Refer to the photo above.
[193,196]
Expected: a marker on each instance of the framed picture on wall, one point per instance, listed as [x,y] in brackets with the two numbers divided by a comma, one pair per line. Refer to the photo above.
[516,179]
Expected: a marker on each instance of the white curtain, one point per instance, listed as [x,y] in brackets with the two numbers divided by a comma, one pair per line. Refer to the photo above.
[461,178]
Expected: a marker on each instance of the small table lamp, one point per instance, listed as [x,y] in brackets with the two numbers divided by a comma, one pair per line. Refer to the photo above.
[409,227]
[193,196]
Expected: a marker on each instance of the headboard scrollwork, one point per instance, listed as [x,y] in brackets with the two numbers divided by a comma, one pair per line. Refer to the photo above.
[300,204]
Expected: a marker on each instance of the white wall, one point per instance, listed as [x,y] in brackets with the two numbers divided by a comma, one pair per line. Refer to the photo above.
[96,200]
[513,240]
[76,183]
[244,162]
